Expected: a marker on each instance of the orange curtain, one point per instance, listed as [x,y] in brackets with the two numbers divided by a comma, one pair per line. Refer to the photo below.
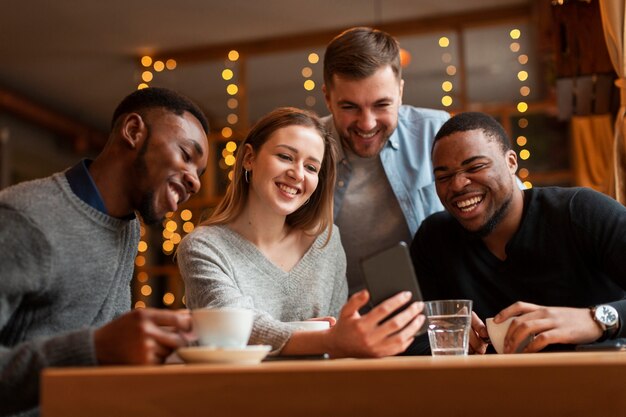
[613,24]
[592,147]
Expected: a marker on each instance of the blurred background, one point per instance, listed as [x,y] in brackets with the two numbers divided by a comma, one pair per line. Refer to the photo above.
[540,66]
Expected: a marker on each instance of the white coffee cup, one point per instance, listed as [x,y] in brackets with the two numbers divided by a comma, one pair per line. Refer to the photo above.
[310,325]
[497,333]
[224,327]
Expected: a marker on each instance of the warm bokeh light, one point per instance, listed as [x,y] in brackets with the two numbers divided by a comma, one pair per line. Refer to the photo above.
[227,132]
[146,61]
[309,85]
[147,76]
[140,260]
[227,74]
[310,101]
[232,118]
[528,184]
[307,72]
[523,173]
[515,46]
[188,226]
[444,42]
[450,70]
[168,298]
[146,290]
[446,101]
[142,247]
[232,89]
[225,153]
[142,230]
[524,91]
[142,276]
[169,214]
[170,64]
[171,226]
[231,175]
[140,304]
[142,86]
[515,33]
[230,147]
[521,141]
[446,57]
[524,154]
[186,215]
[523,122]
[314,58]
[522,107]
[229,160]
[522,59]
[233,55]
[405,58]
[446,86]
[232,103]
[168,246]
[159,66]
[522,75]
[176,238]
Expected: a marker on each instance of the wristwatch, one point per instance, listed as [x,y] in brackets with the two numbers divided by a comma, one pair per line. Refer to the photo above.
[607,318]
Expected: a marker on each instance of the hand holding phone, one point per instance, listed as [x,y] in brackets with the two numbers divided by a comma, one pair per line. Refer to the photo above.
[389,272]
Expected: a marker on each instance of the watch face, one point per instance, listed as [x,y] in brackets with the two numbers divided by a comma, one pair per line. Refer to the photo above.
[606,315]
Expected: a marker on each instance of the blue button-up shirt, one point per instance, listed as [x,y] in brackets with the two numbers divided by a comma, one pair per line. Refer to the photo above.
[84,187]
[406,161]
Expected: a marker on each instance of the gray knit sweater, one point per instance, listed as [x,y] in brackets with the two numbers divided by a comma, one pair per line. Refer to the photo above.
[65,269]
[221,268]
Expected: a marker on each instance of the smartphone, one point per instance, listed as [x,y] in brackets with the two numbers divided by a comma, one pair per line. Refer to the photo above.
[389,272]
[607,345]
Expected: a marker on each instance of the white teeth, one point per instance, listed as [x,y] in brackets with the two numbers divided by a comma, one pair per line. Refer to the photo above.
[467,205]
[289,190]
[367,135]
[176,195]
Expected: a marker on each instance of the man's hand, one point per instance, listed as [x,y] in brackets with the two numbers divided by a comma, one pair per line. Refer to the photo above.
[547,325]
[141,337]
[365,336]
[478,336]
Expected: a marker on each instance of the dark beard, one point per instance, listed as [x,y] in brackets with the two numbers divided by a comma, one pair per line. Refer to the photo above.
[146,203]
[494,220]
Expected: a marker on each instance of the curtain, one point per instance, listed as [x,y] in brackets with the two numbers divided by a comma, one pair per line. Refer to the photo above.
[613,24]
[592,145]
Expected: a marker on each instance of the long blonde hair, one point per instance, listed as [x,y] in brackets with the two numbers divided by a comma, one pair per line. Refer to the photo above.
[313,217]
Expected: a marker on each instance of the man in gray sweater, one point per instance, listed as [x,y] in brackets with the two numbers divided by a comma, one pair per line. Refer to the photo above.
[69,243]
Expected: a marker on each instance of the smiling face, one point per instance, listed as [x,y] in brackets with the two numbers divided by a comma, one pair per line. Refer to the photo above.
[284,172]
[475,179]
[169,164]
[365,111]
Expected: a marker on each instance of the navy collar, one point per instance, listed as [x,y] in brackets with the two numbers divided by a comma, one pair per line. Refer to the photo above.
[83,186]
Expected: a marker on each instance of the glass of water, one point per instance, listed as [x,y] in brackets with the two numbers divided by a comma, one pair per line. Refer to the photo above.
[449,324]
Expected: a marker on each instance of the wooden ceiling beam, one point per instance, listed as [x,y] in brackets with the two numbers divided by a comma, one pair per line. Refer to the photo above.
[83,137]
[518,13]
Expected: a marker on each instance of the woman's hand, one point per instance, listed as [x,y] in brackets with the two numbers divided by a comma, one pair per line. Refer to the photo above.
[369,335]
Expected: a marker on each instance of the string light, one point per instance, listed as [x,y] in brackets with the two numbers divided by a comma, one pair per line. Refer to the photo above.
[309,84]
[447,86]
[522,105]
[147,76]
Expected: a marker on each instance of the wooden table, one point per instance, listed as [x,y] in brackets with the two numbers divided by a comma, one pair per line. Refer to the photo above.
[544,384]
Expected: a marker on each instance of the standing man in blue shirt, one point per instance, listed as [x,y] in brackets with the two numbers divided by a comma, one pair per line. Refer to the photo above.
[385,186]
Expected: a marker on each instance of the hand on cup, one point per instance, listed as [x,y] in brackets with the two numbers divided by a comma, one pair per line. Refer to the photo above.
[497,334]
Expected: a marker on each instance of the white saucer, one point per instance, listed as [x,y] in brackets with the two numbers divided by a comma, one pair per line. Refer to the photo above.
[203,354]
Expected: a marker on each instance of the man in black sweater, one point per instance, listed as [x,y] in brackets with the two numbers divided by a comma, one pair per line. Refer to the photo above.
[553,257]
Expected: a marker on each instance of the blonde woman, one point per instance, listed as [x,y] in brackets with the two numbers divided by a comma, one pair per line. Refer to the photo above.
[271,246]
